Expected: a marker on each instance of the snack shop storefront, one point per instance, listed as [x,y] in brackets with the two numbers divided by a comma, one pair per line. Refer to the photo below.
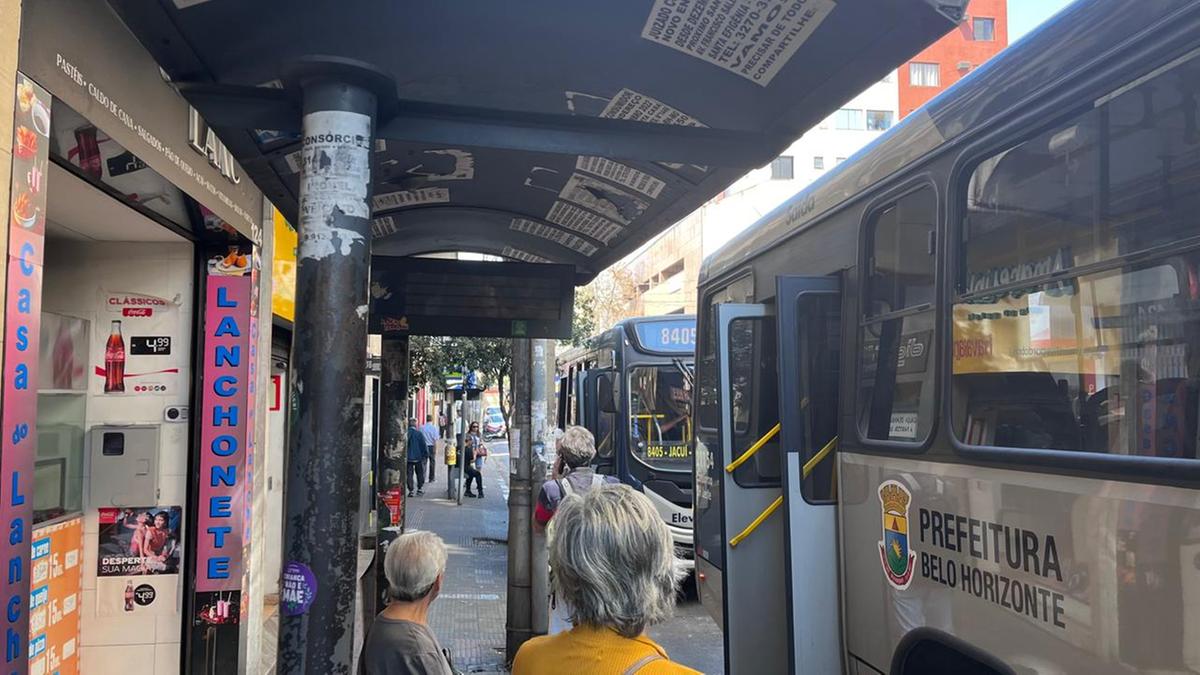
[132,389]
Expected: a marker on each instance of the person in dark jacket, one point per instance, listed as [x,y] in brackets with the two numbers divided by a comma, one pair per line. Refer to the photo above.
[418,452]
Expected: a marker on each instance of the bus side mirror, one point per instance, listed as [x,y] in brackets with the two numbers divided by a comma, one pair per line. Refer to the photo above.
[604,393]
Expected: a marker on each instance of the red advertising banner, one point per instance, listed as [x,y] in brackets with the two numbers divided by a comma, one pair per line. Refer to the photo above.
[54,601]
[18,412]
[224,424]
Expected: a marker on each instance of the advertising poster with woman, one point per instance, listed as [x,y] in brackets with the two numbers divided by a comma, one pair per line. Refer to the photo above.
[138,562]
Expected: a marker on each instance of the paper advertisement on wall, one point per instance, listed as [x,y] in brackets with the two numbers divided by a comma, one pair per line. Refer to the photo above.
[139,541]
[137,564]
[54,593]
[137,345]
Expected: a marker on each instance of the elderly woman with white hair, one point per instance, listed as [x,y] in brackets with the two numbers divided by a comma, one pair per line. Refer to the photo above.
[400,641]
[615,568]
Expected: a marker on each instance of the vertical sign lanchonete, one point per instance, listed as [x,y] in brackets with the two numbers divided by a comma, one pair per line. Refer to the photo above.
[18,411]
[224,421]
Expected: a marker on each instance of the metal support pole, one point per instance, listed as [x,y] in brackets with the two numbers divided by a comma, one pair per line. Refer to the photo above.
[542,401]
[518,628]
[391,453]
[316,631]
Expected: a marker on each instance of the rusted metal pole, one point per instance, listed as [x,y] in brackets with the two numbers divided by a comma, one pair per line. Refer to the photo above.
[391,453]
[316,631]
[518,627]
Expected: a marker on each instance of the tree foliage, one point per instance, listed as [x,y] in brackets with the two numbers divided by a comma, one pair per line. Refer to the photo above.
[598,306]
[432,358]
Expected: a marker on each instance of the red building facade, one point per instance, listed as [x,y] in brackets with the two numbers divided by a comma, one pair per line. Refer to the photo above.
[980,36]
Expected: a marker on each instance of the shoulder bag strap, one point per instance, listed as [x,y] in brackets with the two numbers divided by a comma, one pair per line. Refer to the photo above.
[597,480]
[641,663]
[564,488]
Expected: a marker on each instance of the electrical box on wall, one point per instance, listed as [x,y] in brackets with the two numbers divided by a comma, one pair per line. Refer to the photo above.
[175,413]
[124,464]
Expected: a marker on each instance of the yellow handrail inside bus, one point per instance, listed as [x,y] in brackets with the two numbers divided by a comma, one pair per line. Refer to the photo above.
[816,459]
[753,449]
[757,521]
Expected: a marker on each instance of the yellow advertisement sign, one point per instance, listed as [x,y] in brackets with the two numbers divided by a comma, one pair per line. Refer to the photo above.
[1060,331]
[283,270]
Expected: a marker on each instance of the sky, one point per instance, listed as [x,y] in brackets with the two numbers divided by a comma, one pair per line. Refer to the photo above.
[1024,15]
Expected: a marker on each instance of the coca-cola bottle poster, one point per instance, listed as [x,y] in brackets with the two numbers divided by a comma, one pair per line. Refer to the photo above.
[138,338]
[138,560]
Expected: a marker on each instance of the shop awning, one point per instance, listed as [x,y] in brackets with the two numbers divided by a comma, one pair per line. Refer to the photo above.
[566,131]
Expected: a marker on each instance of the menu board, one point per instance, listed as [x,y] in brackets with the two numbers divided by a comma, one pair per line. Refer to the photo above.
[54,598]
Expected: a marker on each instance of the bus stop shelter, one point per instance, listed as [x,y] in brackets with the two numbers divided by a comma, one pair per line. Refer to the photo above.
[560,132]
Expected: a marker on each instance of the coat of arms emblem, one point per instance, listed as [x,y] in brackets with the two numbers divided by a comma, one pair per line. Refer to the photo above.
[894,553]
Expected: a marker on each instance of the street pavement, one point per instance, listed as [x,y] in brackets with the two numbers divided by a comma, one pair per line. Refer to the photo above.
[469,616]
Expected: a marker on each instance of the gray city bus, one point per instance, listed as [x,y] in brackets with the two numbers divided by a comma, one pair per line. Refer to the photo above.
[631,386]
[947,396]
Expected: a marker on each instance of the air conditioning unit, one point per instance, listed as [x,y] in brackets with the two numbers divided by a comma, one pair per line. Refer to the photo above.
[964,65]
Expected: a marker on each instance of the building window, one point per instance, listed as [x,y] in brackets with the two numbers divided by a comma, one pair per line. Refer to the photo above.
[983,30]
[879,120]
[819,163]
[839,160]
[848,118]
[781,168]
[924,74]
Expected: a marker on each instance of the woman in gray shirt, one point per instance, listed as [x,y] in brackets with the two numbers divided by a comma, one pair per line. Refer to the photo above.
[400,641]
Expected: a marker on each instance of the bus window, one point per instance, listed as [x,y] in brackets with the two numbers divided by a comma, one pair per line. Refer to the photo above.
[896,401]
[708,412]
[1104,361]
[660,411]
[754,398]
[819,326]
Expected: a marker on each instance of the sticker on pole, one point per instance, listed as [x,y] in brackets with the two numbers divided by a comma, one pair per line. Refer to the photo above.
[750,38]
[298,590]
[335,159]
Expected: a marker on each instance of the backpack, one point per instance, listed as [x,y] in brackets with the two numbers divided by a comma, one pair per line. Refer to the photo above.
[565,489]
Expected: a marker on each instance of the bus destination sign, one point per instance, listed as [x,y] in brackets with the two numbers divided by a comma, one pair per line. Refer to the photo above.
[673,335]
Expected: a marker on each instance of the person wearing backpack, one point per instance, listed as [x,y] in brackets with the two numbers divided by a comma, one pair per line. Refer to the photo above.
[572,474]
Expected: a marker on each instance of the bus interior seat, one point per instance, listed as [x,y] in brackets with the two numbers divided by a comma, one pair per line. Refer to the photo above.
[1049,423]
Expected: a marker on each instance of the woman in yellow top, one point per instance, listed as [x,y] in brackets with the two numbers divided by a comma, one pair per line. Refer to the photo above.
[615,568]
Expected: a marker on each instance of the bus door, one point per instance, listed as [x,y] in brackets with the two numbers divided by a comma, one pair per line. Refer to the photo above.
[809,324]
[598,414]
[746,488]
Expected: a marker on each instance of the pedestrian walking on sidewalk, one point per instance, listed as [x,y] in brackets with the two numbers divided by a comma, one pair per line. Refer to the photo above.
[430,431]
[473,464]
[418,453]
[400,641]
[615,567]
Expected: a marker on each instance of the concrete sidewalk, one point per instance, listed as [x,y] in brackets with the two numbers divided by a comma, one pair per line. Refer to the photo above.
[469,616]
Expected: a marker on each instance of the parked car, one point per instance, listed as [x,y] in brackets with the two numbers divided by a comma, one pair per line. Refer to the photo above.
[493,425]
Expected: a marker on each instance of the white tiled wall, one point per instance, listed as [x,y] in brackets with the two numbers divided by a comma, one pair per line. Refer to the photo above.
[74,272]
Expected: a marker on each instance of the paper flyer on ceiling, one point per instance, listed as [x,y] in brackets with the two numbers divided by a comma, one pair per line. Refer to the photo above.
[603,198]
[574,218]
[751,38]
[554,234]
[418,197]
[621,174]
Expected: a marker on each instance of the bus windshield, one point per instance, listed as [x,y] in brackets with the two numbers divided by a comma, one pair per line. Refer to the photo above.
[660,417]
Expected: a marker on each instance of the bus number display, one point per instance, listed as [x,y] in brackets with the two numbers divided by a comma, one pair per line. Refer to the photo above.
[657,451]
[672,336]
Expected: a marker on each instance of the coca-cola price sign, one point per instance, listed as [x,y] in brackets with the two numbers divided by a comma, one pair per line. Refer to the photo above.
[150,345]
[132,343]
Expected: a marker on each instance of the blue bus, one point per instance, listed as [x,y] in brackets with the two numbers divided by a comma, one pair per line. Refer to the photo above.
[632,387]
